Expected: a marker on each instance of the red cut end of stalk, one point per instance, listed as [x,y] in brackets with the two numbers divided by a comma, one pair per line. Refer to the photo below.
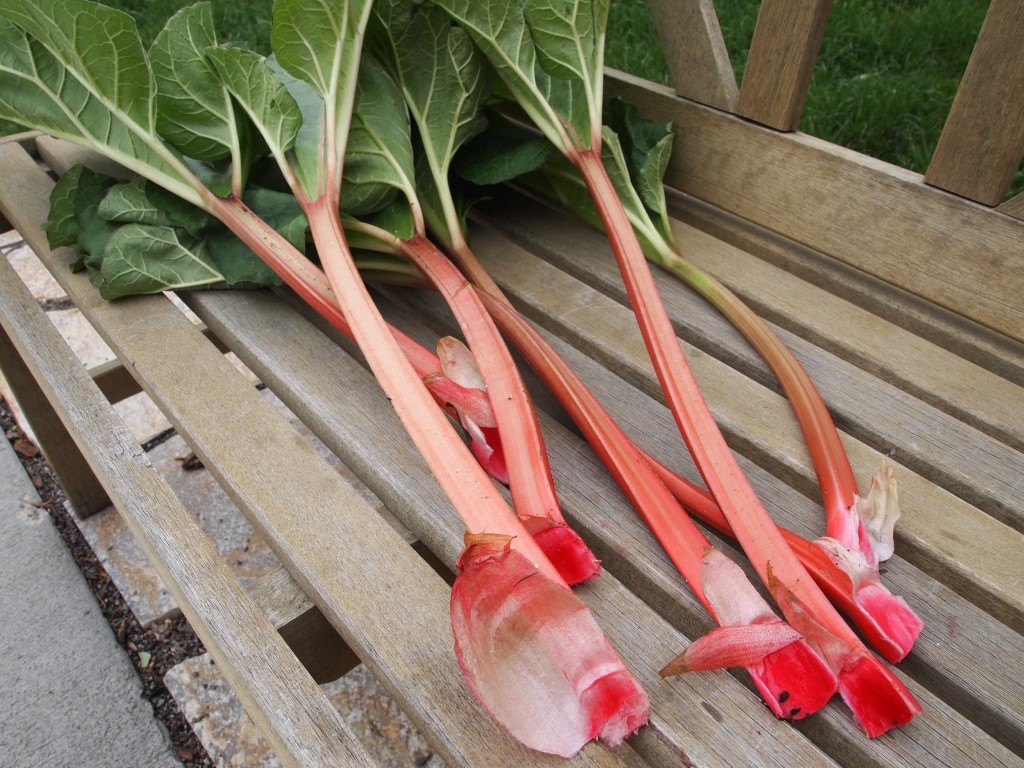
[564,548]
[794,681]
[895,623]
[533,656]
[879,700]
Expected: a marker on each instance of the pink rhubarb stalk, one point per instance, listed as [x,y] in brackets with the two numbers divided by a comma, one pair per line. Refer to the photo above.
[878,698]
[522,445]
[882,617]
[615,705]
[791,677]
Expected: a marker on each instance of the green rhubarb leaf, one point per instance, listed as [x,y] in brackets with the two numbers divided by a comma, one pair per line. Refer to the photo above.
[320,42]
[647,147]
[442,77]
[129,203]
[282,212]
[196,113]
[549,54]
[379,158]
[140,201]
[142,259]
[499,29]
[501,153]
[238,264]
[78,195]
[78,70]
[570,38]
[61,226]
[261,93]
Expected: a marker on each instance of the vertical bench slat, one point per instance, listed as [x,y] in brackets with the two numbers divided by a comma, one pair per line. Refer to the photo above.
[786,41]
[982,142]
[698,62]
[1013,207]
[81,487]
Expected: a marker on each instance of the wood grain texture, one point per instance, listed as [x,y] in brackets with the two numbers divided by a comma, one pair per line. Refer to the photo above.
[865,213]
[1014,206]
[778,71]
[982,143]
[273,687]
[83,490]
[695,53]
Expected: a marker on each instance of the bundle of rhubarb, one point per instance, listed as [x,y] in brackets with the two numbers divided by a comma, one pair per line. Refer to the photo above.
[327,165]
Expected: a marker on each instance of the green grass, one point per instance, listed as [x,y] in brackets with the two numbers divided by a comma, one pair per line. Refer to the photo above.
[883,84]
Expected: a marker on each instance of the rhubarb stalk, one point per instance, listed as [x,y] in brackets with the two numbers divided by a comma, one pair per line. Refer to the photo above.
[566,39]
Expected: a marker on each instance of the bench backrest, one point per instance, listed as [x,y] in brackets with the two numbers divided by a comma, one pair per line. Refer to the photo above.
[937,236]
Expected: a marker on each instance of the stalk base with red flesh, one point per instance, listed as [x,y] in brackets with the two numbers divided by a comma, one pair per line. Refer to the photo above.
[491,366]
[508,622]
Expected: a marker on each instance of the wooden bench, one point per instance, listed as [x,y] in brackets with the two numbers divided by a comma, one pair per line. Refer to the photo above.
[868,271]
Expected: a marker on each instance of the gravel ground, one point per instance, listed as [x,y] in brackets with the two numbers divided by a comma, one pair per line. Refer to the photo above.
[152,651]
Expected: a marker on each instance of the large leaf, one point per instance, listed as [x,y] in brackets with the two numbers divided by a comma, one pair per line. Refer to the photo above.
[548,53]
[442,77]
[501,153]
[570,38]
[261,93]
[196,113]
[143,259]
[320,42]
[140,201]
[78,70]
[379,158]
[646,147]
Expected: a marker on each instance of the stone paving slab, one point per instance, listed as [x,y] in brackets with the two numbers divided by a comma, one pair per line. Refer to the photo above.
[231,738]
[70,694]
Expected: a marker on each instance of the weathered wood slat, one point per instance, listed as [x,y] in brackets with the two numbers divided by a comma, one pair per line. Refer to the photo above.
[278,694]
[979,468]
[781,61]
[982,143]
[865,213]
[1013,207]
[965,339]
[698,62]
[939,533]
[342,553]
[84,491]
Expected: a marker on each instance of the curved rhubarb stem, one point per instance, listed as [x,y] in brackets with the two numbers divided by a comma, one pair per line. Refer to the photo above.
[879,700]
[885,619]
[550,631]
[855,521]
